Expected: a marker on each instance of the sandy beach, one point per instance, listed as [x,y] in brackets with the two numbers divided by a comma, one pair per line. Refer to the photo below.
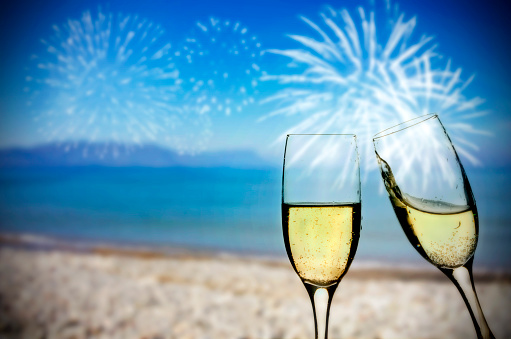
[113,293]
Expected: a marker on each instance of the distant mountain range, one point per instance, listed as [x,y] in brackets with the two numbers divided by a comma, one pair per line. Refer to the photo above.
[113,155]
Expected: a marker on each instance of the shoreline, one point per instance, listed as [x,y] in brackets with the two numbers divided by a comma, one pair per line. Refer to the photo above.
[359,269]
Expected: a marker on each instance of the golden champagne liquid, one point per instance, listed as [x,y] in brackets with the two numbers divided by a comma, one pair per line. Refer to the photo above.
[321,240]
[443,233]
[447,240]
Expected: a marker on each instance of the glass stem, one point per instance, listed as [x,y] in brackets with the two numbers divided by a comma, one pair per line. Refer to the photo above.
[464,281]
[321,298]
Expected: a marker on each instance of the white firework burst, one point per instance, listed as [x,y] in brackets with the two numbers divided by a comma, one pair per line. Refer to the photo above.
[359,75]
[220,67]
[108,78]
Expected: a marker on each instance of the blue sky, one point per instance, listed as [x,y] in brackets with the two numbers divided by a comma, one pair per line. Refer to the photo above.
[473,34]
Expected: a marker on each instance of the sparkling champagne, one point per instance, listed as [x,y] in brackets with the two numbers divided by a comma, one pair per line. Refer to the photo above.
[321,240]
[446,240]
[443,233]
[433,202]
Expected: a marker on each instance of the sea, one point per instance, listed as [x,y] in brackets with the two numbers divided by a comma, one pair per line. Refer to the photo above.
[219,209]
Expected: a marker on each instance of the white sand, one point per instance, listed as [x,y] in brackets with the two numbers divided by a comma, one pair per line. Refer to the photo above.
[61,294]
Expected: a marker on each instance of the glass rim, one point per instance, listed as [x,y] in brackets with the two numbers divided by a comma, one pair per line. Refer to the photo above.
[321,134]
[421,119]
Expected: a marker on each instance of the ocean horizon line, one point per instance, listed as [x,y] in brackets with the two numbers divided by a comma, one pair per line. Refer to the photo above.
[147,155]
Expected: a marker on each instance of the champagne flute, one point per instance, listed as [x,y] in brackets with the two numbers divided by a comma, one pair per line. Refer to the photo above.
[433,201]
[321,214]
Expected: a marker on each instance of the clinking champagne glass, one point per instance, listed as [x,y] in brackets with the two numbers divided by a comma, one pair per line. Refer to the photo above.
[321,214]
[433,201]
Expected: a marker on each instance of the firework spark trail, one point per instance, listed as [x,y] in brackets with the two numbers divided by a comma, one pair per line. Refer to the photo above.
[350,82]
[220,67]
[108,78]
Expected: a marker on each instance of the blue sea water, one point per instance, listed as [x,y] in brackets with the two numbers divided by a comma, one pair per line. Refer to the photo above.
[217,208]
[220,209]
